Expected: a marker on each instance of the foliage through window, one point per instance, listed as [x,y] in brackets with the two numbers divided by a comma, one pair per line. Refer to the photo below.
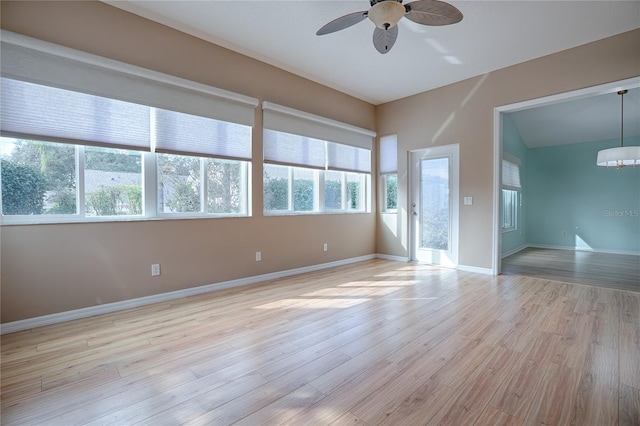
[390,192]
[43,179]
[189,184]
[299,190]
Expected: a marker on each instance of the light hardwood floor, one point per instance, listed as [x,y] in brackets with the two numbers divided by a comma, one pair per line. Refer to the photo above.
[621,271]
[371,343]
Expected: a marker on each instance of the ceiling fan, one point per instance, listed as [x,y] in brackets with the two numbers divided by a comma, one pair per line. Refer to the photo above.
[385,14]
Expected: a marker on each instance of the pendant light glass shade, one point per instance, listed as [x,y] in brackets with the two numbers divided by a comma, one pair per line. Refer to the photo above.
[619,157]
[623,155]
[386,14]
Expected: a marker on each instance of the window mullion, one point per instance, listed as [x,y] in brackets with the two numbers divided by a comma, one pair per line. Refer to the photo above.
[150,184]
[291,177]
[80,195]
[318,183]
[204,184]
[343,191]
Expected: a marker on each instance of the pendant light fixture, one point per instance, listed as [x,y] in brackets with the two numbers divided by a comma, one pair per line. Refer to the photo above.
[623,155]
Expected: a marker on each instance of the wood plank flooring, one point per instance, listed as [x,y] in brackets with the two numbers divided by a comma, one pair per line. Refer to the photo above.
[581,267]
[372,343]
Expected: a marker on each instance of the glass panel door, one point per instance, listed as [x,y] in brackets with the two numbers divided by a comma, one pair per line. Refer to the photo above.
[434,205]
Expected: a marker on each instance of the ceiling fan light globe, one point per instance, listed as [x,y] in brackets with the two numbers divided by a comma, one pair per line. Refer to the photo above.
[386,14]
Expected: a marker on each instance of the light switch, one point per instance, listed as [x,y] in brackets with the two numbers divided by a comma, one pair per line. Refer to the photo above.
[468,201]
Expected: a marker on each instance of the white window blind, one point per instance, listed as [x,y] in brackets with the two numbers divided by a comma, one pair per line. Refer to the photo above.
[293,137]
[87,99]
[348,158]
[185,134]
[36,61]
[388,155]
[32,111]
[510,174]
[293,150]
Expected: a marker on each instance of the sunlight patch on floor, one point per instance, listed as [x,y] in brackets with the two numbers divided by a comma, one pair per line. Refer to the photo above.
[303,303]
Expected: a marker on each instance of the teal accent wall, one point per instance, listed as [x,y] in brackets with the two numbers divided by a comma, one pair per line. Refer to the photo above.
[512,144]
[573,203]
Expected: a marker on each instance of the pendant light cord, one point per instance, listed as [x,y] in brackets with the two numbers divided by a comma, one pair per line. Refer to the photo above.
[621,93]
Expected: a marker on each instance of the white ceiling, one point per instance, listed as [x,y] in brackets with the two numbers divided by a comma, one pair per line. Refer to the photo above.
[492,35]
[590,119]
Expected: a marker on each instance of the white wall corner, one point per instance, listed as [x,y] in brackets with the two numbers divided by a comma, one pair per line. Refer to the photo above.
[475,269]
[514,250]
[392,258]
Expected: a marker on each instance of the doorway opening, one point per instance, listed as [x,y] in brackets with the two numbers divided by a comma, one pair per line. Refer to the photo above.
[570,227]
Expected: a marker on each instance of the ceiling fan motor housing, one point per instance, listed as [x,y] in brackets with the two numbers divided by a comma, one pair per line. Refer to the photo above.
[372,2]
[386,13]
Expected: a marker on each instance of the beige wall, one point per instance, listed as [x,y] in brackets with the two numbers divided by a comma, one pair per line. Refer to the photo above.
[53,268]
[463,113]
[47,269]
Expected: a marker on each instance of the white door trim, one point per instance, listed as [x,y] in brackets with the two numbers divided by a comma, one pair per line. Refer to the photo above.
[602,89]
[452,151]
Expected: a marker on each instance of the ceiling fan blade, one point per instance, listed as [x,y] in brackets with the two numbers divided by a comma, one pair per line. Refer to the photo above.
[342,22]
[383,40]
[432,12]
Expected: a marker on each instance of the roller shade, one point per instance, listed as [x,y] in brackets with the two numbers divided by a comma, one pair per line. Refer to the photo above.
[348,158]
[510,175]
[32,111]
[27,59]
[289,120]
[297,138]
[388,155]
[293,150]
[179,133]
[54,93]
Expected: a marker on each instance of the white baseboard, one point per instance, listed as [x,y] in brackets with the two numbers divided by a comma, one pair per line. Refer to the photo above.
[391,257]
[29,323]
[543,246]
[514,251]
[475,269]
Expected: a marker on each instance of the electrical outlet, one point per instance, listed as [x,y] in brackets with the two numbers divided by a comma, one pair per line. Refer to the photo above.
[155,269]
[258,256]
[325,247]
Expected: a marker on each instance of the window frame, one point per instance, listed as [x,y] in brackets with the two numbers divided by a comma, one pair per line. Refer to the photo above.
[511,183]
[77,71]
[245,178]
[149,187]
[515,195]
[319,194]
[384,187]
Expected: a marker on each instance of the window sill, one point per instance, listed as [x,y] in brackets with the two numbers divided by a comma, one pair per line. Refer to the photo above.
[11,221]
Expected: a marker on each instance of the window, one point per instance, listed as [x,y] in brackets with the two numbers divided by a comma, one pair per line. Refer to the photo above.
[43,179]
[112,182]
[201,185]
[299,190]
[511,193]
[509,210]
[96,138]
[306,171]
[389,173]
